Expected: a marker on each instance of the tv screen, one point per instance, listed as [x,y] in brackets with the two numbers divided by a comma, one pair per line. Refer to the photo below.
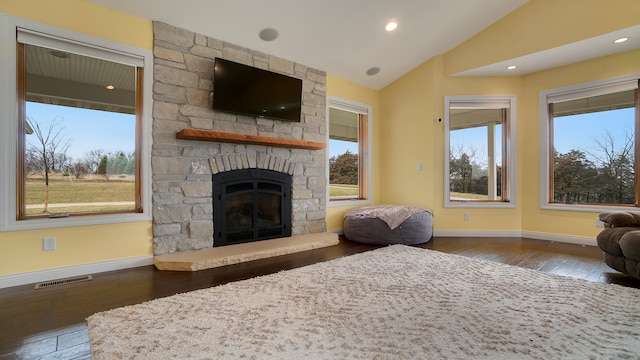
[243,89]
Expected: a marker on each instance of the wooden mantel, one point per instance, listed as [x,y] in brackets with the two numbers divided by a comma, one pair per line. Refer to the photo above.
[203,135]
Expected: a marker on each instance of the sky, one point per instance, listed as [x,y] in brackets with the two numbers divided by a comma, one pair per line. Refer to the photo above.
[580,132]
[339,147]
[88,130]
[475,139]
[85,129]
[575,132]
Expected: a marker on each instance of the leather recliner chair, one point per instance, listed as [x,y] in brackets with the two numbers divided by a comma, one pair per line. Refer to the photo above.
[620,241]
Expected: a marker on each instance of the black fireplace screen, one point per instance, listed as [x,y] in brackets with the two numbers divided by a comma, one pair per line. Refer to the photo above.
[251,205]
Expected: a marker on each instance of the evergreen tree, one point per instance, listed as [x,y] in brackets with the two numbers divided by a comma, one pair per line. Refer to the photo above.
[343,169]
[102,166]
[130,169]
[120,163]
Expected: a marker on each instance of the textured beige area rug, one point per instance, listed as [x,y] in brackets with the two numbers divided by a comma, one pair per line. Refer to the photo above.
[397,302]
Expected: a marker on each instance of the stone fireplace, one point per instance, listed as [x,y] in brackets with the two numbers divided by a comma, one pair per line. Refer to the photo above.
[184,171]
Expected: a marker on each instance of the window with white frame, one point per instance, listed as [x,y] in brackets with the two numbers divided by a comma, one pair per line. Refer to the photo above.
[349,152]
[78,124]
[479,150]
[589,148]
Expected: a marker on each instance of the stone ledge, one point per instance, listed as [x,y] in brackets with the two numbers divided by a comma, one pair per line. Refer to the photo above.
[233,254]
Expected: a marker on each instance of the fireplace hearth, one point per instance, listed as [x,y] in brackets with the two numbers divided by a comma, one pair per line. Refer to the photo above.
[251,205]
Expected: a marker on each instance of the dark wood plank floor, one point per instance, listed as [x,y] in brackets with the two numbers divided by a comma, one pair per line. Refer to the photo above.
[50,323]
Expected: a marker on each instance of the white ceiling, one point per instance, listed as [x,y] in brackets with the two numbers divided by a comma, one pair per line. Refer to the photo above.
[346,37]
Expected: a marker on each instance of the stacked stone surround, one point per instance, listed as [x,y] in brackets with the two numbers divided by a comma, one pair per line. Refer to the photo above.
[182,169]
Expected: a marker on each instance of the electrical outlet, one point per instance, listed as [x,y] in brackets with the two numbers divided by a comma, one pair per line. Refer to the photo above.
[49,244]
[419,166]
[467,216]
[599,223]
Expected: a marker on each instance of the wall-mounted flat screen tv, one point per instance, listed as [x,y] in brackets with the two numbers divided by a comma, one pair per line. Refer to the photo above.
[247,90]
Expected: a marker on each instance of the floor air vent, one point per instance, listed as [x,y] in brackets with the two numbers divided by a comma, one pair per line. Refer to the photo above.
[51,283]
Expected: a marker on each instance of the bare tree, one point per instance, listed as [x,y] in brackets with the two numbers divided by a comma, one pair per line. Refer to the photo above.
[617,167]
[48,151]
[92,159]
[465,164]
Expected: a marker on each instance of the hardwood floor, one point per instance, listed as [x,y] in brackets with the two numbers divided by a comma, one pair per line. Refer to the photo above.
[50,323]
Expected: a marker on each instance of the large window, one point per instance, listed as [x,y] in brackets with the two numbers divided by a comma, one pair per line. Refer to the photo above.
[349,159]
[77,130]
[479,151]
[591,148]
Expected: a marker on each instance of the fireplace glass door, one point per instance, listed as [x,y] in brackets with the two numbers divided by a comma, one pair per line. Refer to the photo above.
[251,205]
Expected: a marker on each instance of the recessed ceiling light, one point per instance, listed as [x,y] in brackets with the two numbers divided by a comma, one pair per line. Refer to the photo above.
[511,67]
[391,25]
[110,87]
[268,34]
[621,40]
[373,71]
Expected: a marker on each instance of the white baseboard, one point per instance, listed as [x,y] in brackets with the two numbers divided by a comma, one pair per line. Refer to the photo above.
[72,271]
[578,240]
[477,233]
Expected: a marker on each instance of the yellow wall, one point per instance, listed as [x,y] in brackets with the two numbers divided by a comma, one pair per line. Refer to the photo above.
[540,25]
[84,17]
[410,109]
[347,90]
[22,250]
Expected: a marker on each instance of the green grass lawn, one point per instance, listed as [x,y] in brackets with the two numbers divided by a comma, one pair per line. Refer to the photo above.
[343,190]
[67,191]
[468,196]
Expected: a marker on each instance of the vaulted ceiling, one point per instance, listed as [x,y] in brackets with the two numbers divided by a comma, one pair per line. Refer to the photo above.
[345,38]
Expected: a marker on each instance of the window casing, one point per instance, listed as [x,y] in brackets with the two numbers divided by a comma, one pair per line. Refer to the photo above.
[479,151]
[589,148]
[349,152]
[23,41]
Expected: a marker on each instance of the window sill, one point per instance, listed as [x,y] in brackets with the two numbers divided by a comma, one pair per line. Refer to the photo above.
[588,208]
[494,205]
[51,223]
[344,203]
